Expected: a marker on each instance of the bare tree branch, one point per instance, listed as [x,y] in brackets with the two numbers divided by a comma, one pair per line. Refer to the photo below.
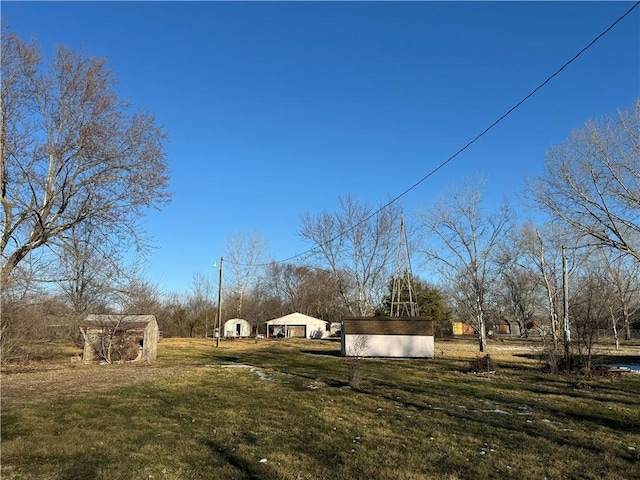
[71,151]
[466,240]
[356,246]
[593,181]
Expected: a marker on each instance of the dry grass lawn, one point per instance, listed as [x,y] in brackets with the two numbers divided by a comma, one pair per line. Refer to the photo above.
[284,409]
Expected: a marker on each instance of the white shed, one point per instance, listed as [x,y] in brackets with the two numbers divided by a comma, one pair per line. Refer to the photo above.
[393,337]
[237,327]
[297,325]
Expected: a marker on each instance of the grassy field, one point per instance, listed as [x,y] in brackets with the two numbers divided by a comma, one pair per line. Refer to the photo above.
[284,409]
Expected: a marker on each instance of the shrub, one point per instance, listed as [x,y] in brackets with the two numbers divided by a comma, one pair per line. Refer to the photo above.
[482,364]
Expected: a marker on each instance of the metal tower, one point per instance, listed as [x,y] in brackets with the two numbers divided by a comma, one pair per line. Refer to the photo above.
[403,295]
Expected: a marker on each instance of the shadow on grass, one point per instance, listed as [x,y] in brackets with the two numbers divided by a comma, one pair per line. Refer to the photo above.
[251,469]
[504,426]
[323,353]
[621,359]
[11,427]
[227,358]
[85,467]
[596,359]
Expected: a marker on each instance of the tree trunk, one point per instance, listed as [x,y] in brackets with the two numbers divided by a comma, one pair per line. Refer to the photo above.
[482,338]
[627,324]
[615,329]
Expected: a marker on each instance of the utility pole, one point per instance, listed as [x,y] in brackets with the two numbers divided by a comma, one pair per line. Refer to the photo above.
[565,305]
[219,306]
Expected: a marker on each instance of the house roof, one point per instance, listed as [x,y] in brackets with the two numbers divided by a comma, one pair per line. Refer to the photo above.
[126,321]
[297,319]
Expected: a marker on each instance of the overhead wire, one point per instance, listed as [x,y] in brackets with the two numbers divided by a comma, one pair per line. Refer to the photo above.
[471,142]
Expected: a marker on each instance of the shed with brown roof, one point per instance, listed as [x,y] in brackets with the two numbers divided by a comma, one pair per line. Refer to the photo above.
[399,337]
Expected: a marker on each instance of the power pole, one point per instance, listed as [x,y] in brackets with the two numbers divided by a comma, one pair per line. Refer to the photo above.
[565,305]
[403,295]
[219,306]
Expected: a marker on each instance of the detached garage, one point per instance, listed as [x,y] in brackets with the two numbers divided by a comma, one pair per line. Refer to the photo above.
[237,328]
[296,325]
[410,337]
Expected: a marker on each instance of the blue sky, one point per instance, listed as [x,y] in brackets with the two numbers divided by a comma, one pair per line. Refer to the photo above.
[275,109]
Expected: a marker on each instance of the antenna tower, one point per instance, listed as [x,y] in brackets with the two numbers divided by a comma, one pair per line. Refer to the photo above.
[403,295]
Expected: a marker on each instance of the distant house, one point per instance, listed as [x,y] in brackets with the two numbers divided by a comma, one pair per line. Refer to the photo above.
[120,338]
[503,326]
[403,337]
[296,325]
[463,328]
[538,325]
[237,328]
[498,326]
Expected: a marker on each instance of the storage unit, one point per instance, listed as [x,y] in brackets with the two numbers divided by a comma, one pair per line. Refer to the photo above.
[399,337]
[117,338]
[236,328]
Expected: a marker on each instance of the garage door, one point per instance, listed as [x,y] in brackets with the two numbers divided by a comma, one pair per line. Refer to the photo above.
[297,331]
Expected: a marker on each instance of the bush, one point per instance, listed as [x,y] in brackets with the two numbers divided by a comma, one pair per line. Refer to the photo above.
[482,364]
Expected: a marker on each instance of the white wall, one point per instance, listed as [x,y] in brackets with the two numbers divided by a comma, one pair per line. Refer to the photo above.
[401,346]
[317,331]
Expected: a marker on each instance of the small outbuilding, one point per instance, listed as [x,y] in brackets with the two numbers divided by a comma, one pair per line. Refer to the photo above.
[396,337]
[463,328]
[502,326]
[297,325]
[237,328]
[118,338]
[497,326]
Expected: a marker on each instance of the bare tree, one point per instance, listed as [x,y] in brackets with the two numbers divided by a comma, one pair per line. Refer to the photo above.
[551,276]
[593,181]
[172,318]
[520,284]
[589,308]
[542,252]
[260,304]
[28,314]
[71,151]
[243,258]
[357,245]
[304,289]
[623,274]
[88,272]
[199,305]
[466,240]
[140,297]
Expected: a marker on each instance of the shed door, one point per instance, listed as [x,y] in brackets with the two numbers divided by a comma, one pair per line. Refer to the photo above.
[297,331]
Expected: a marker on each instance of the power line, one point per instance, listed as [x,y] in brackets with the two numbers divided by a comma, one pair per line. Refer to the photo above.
[475,139]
